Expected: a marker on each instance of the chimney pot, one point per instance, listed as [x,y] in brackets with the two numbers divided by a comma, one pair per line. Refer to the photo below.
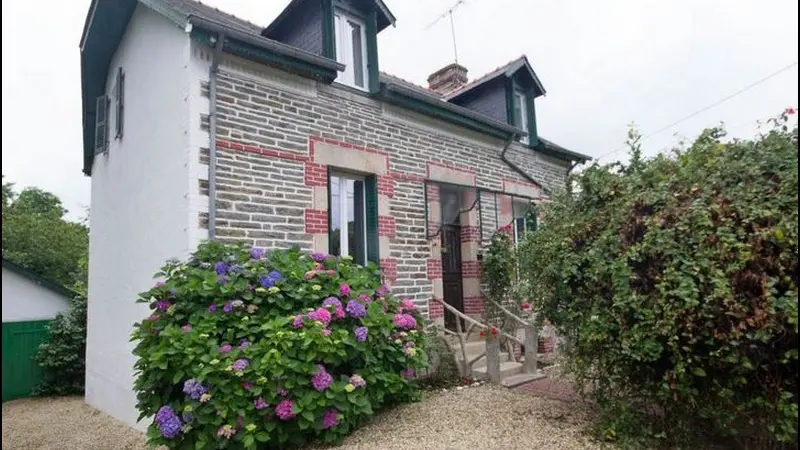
[448,79]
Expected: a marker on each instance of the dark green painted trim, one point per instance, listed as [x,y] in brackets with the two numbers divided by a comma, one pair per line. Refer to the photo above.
[260,55]
[373,240]
[328,29]
[330,222]
[373,71]
[533,135]
[443,114]
[55,287]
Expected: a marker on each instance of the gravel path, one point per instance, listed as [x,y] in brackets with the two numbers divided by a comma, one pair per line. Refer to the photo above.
[475,417]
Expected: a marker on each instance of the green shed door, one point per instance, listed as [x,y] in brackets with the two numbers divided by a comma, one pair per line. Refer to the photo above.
[20,344]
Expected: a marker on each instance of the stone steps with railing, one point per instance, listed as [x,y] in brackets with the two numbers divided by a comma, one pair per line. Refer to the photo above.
[483,358]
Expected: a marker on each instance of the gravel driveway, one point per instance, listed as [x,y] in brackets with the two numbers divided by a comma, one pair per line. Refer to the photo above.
[470,418]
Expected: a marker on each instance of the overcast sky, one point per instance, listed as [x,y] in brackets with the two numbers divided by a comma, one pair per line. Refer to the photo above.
[604,64]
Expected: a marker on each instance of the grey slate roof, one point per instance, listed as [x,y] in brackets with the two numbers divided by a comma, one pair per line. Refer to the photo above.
[192,7]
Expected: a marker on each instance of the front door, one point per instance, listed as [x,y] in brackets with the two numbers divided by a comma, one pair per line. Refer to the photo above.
[451,257]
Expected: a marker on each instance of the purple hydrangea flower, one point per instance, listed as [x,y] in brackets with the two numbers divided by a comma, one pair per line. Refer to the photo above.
[284,410]
[365,298]
[228,306]
[298,321]
[244,344]
[163,305]
[187,328]
[319,257]
[330,418]
[283,392]
[322,379]
[169,424]
[194,389]
[221,268]
[356,309]
[212,308]
[247,386]
[404,321]
[236,269]
[408,373]
[152,317]
[326,331]
[361,333]
[225,348]
[321,315]
[338,311]
[240,364]
[256,253]
[266,281]
[344,290]
[357,381]
[408,305]
[260,404]
[382,291]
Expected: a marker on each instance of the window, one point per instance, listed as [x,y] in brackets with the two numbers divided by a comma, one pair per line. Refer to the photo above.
[348,217]
[521,113]
[351,50]
[524,218]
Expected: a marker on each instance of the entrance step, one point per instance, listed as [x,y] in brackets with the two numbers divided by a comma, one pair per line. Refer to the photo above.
[521,378]
[507,369]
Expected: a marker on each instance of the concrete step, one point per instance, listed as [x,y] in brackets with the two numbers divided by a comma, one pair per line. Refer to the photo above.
[521,378]
[507,369]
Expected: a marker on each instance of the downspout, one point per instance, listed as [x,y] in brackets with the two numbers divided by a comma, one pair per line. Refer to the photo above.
[516,168]
[212,138]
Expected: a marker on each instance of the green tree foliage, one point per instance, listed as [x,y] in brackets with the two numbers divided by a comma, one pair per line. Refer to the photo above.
[38,237]
[674,280]
[63,357]
[247,349]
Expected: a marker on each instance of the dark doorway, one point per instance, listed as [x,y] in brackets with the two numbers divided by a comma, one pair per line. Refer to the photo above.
[452,282]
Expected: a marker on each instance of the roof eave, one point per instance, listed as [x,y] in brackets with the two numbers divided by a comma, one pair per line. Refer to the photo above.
[51,285]
[556,151]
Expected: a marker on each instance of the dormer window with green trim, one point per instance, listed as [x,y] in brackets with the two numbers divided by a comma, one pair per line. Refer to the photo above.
[521,114]
[351,49]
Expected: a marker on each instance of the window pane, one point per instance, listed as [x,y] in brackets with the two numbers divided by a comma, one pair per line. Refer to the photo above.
[519,228]
[359,239]
[451,208]
[358,56]
[335,225]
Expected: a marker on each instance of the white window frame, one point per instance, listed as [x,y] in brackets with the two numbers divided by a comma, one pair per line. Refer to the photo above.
[344,49]
[523,218]
[344,238]
[521,102]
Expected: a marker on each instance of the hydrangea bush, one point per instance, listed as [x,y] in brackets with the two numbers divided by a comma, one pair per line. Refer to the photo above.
[252,349]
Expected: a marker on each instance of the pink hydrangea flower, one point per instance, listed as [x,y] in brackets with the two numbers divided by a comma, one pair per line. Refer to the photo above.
[321,315]
[160,283]
[284,410]
[321,380]
[365,298]
[226,431]
[330,418]
[344,290]
[357,381]
[260,404]
[404,321]
[283,392]
[326,331]
[247,386]
[408,373]
[298,321]
[408,305]
[187,328]
[225,348]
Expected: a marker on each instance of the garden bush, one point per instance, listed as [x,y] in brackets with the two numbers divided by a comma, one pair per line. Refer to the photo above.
[253,349]
[62,357]
[674,280]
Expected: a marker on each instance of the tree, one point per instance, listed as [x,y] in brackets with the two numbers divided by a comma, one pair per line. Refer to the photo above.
[675,280]
[37,236]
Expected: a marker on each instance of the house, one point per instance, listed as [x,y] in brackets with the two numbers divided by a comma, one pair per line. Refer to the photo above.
[30,302]
[201,125]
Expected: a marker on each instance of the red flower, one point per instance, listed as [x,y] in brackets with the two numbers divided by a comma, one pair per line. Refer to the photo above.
[525,306]
[790,111]
[483,333]
[493,330]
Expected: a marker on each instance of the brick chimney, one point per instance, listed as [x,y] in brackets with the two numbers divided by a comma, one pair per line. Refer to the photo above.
[448,79]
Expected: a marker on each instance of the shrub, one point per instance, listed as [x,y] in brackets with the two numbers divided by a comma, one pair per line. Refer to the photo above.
[675,281]
[247,349]
[63,357]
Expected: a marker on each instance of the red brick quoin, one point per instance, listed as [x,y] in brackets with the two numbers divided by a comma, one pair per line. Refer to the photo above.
[316,221]
[435,309]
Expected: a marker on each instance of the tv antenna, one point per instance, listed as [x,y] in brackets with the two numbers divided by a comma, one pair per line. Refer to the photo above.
[449,13]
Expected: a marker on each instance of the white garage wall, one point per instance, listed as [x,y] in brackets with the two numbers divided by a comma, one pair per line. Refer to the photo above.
[24,299]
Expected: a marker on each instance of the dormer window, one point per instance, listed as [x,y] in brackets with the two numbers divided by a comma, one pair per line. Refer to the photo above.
[521,114]
[351,49]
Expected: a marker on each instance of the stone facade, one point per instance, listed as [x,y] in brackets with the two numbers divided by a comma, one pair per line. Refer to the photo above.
[277,136]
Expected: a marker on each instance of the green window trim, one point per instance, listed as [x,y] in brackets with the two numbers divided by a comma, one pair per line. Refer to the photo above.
[328,27]
[373,240]
[373,71]
[530,108]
